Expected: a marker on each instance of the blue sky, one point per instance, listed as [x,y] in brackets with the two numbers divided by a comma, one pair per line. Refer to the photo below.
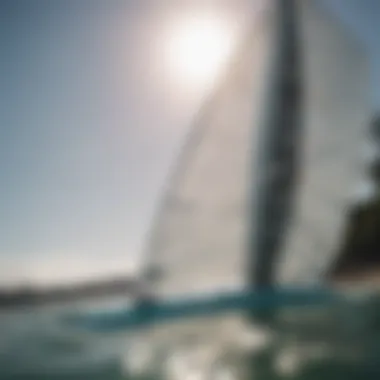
[90,121]
[363,17]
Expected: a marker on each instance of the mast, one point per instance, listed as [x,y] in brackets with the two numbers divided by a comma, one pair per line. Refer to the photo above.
[278,158]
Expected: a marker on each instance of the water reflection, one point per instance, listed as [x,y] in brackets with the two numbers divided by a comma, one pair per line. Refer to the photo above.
[338,342]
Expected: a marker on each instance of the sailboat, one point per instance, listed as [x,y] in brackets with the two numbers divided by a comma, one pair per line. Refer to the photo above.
[255,208]
[254,212]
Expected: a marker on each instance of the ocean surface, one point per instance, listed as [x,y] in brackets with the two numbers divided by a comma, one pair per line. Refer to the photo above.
[336,342]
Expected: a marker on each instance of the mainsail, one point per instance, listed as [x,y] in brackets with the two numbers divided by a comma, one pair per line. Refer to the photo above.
[200,240]
[337,112]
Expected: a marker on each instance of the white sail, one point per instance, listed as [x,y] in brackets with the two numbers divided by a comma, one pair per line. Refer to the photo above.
[200,237]
[336,79]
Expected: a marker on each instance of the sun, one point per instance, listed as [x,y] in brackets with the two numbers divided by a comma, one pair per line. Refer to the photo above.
[197,48]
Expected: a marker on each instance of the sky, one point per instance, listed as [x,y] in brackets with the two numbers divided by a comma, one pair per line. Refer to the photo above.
[92,114]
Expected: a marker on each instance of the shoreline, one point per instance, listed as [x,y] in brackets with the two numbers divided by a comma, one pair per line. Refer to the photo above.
[24,296]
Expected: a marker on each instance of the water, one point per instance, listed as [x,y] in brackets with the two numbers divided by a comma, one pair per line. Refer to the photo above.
[336,342]
[36,344]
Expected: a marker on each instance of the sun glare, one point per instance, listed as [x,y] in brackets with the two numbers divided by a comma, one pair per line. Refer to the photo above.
[197,49]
